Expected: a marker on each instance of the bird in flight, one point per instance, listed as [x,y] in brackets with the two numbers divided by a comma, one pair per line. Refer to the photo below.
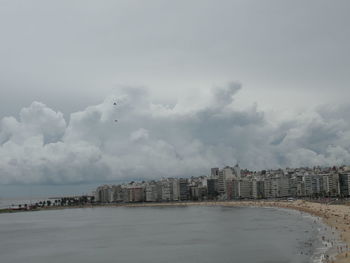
[115,105]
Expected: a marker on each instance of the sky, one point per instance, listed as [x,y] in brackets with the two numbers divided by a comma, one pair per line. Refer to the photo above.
[197,84]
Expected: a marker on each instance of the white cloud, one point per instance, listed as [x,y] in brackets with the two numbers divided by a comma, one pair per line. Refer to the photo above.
[152,140]
[35,120]
[139,135]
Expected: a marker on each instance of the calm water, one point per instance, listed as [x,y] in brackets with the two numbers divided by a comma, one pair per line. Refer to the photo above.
[158,235]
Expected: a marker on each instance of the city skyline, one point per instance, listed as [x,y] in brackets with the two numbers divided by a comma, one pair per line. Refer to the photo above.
[233,183]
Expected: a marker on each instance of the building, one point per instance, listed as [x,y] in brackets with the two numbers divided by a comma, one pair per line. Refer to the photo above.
[283,186]
[151,193]
[331,184]
[230,189]
[184,191]
[135,194]
[271,187]
[212,185]
[118,193]
[104,194]
[214,172]
[166,190]
[221,185]
[175,190]
[344,183]
[245,188]
[233,183]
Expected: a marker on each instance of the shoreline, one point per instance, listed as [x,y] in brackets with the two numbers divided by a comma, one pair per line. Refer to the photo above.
[337,217]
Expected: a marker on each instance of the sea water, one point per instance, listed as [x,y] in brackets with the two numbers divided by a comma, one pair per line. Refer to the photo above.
[159,234]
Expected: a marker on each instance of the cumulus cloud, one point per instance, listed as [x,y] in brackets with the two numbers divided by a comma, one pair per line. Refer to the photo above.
[35,120]
[139,139]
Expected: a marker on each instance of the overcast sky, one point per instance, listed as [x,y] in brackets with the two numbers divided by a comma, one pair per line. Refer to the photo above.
[199,83]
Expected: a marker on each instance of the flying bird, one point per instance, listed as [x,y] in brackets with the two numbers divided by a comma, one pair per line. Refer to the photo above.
[115,105]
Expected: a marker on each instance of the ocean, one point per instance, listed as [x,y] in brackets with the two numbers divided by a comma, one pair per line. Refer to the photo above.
[202,234]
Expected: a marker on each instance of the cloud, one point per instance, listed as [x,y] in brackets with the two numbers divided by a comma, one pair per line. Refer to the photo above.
[151,140]
[224,95]
[35,120]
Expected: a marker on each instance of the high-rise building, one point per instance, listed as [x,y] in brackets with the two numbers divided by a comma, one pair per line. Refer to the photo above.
[166,190]
[245,188]
[212,185]
[237,170]
[331,184]
[230,189]
[136,194]
[284,187]
[214,172]
[183,186]
[117,193]
[175,189]
[221,185]
[151,192]
[255,189]
[344,182]
[104,194]
[271,187]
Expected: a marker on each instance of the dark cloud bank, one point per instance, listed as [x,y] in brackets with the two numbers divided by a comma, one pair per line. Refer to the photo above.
[153,140]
